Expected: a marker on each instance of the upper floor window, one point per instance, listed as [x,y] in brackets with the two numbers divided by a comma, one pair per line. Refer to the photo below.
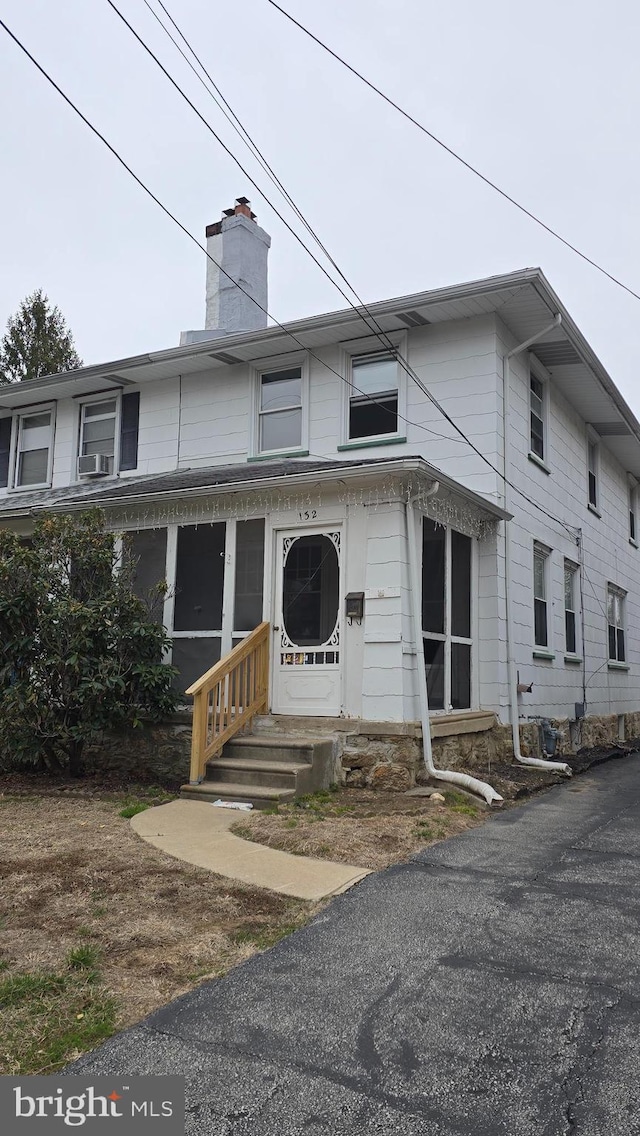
[537,393]
[593,472]
[280,412]
[33,449]
[540,618]
[109,434]
[633,507]
[373,401]
[616,623]
[98,430]
[570,577]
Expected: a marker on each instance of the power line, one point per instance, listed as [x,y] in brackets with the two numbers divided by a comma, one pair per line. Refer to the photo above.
[377,329]
[278,324]
[458,157]
[195,240]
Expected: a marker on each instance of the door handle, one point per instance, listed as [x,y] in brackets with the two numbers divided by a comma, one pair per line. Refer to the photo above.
[275,628]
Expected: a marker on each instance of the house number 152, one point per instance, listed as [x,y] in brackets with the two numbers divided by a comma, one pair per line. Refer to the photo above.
[308,515]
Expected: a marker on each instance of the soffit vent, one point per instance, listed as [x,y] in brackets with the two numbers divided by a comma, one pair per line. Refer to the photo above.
[610,429]
[556,354]
[413,319]
[223,357]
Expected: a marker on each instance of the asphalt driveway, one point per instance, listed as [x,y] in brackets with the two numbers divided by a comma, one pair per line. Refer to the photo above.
[490,987]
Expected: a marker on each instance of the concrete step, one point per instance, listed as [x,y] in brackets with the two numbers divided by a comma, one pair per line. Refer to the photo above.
[273,748]
[284,725]
[296,775]
[260,796]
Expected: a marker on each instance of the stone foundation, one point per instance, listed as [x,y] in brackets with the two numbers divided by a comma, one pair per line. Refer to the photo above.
[157,753]
[386,756]
[393,761]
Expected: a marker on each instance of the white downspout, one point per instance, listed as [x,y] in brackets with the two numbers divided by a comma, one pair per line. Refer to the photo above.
[472,784]
[538,762]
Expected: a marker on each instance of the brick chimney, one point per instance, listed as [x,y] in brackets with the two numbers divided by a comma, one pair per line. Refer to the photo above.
[241,247]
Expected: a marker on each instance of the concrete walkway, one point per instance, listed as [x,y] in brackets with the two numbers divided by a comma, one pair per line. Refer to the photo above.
[199,833]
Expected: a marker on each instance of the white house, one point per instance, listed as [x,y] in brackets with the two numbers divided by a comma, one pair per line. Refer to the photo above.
[274,474]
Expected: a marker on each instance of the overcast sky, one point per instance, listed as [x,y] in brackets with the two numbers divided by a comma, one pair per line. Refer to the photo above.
[544,98]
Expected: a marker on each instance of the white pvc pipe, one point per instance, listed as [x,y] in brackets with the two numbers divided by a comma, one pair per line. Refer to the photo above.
[537,762]
[472,784]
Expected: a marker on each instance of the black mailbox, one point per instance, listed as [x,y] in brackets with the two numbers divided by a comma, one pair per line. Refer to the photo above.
[354,602]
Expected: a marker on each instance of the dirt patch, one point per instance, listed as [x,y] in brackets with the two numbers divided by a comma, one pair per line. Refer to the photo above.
[368,828]
[75,874]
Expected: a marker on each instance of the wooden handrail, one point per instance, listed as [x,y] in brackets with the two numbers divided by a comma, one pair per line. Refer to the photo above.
[227,697]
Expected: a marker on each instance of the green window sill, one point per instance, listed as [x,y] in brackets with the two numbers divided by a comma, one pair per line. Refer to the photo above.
[547,655]
[360,445]
[574,660]
[278,454]
[612,665]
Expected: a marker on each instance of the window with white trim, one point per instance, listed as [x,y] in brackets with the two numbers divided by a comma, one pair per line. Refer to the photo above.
[593,463]
[616,624]
[280,411]
[633,508]
[33,451]
[540,614]
[98,429]
[373,398]
[537,395]
[570,608]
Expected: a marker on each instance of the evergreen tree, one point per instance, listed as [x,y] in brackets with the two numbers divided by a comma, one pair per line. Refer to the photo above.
[37,342]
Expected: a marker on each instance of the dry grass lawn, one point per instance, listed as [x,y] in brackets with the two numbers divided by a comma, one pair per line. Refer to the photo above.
[367,828]
[98,928]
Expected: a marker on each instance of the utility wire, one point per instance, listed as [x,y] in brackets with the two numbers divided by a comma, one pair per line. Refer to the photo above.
[377,329]
[458,157]
[278,324]
[291,335]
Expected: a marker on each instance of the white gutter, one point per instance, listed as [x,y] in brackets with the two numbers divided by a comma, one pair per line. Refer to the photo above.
[472,784]
[538,762]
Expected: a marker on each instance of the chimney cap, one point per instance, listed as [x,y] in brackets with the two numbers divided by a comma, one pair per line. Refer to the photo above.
[243,201]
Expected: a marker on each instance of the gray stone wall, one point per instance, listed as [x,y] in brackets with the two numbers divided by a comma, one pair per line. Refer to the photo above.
[158,753]
[394,761]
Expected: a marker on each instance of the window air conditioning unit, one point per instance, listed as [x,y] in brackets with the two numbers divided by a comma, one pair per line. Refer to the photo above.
[93,465]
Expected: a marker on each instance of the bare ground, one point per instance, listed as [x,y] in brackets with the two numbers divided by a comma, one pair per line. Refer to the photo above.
[368,828]
[73,873]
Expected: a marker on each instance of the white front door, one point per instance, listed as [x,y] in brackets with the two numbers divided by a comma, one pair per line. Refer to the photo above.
[308,622]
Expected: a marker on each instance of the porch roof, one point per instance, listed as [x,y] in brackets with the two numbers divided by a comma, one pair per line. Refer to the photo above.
[212,480]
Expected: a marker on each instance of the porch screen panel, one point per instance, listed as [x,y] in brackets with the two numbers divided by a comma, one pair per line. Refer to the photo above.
[199,578]
[461,676]
[146,552]
[460,585]
[433,569]
[247,610]
[434,662]
[193,658]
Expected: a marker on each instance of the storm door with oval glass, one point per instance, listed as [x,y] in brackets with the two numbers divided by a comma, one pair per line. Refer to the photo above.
[307,625]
